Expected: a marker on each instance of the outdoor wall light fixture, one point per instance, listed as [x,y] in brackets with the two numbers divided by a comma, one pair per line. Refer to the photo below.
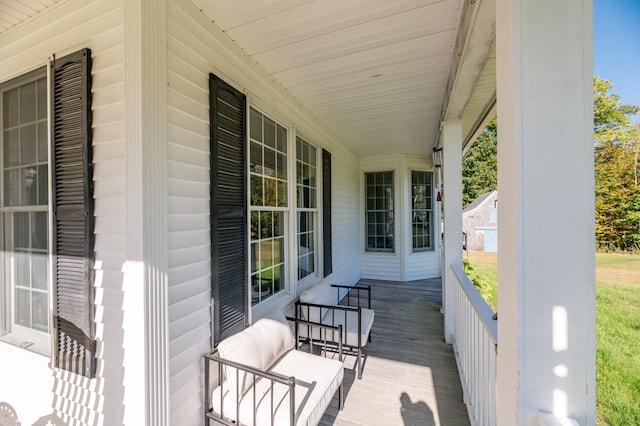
[437,157]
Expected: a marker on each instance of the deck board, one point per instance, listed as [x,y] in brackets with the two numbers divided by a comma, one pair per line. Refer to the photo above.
[410,375]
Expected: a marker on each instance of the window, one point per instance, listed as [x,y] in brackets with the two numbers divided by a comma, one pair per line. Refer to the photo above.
[25,210]
[379,211]
[421,210]
[268,205]
[306,204]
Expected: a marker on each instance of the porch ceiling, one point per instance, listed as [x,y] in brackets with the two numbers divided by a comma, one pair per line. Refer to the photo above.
[15,12]
[374,72]
[380,74]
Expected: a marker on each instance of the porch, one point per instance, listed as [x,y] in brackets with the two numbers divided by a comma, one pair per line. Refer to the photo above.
[410,375]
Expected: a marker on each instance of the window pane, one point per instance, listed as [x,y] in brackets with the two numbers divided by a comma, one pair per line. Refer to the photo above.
[256,190]
[255,158]
[421,210]
[23,269]
[28,103]
[39,230]
[379,211]
[21,230]
[28,144]
[269,165]
[42,142]
[23,307]
[282,194]
[43,188]
[40,311]
[11,113]
[281,166]
[30,186]
[11,147]
[269,133]
[41,98]
[255,119]
[12,187]
[282,139]
[39,271]
[278,224]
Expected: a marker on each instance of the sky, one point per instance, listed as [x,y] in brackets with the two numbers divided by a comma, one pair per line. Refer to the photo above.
[616,46]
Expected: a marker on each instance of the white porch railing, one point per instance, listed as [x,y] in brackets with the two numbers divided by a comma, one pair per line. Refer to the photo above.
[475,344]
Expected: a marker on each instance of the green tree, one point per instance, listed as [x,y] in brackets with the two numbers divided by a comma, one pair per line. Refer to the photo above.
[617,145]
[480,165]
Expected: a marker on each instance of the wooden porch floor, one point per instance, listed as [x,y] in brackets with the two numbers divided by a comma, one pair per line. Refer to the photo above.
[410,375]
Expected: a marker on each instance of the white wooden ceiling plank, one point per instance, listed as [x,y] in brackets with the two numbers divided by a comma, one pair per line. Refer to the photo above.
[392,92]
[229,14]
[11,14]
[322,18]
[21,8]
[371,69]
[369,61]
[380,119]
[414,106]
[317,50]
[431,45]
[364,73]
[328,89]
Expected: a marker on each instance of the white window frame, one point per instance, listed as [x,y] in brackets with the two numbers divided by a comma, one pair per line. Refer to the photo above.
[392,210]
[25,337]
[263,306]
[430,211]
[314,210]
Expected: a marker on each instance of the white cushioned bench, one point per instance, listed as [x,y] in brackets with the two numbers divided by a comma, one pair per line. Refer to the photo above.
[261,375]
[320,304]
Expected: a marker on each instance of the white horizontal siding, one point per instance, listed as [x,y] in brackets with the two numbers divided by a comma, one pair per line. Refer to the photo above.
[426,264]
[66,28]
[422,265]
[384,265]
[189,228]
[195,49]
[403,264]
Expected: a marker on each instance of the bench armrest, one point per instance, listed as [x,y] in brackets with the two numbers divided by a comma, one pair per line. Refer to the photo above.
[304,309]
[325,327]
[357,289]
[212,357]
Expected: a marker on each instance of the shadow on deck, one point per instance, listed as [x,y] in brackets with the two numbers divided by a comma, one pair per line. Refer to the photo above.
[410,375]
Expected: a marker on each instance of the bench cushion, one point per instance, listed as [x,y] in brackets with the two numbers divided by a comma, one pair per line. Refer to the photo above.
[258,346]
[317,380]
[322,294]
[349,322]
[349,325]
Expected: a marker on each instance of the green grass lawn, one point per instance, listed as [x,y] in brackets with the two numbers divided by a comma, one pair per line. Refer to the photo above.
[617,332]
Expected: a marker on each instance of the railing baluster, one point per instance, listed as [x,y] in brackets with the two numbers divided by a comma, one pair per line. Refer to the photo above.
[475,341]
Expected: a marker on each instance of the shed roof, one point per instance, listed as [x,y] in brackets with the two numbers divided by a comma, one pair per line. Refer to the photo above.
[478,201]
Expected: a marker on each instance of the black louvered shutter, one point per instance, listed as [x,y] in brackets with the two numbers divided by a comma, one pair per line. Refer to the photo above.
[326,211]
[228,208]
[72,203]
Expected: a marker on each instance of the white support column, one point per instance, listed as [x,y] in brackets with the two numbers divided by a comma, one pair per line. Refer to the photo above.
[145,317]
[452,201]
[546,275]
